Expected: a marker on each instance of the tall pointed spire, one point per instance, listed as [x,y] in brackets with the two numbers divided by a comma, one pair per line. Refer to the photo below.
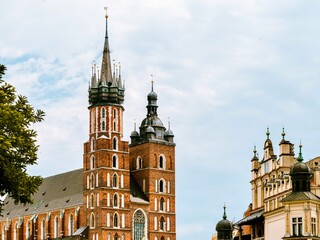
[106,72]
[105,88]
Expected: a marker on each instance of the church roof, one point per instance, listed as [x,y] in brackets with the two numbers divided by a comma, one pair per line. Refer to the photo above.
[300,196]
[59,192]
[56,192]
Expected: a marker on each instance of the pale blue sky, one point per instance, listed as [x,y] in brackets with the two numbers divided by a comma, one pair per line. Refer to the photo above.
[223,71]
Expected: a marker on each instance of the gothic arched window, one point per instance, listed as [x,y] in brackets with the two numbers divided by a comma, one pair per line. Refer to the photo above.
[114,161]
[161,204]
[115,200]
[115,181]
[138,225]
[162,223]
[114,143]
[115,220]
[92,220]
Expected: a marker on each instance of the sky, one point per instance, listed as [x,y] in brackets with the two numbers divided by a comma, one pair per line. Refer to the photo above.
[224,71]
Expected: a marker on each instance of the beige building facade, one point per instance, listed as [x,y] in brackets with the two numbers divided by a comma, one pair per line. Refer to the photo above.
[285,204]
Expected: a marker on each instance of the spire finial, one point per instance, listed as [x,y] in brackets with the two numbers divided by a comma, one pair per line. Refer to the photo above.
[300,158]
[135,124]
[224,212]
[151,82]
[169,123]
[268,133]
[255,151]
[106,12]
[283,133]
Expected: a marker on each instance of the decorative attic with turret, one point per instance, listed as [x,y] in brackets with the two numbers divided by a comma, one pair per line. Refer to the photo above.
[285,195]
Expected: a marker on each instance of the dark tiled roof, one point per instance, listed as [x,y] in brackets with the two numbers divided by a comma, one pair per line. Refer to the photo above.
[251,218]
[300,196]
[56,192]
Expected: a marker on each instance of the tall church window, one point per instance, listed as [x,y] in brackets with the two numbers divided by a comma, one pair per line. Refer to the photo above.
[92,180]
[92,224]
[71,224]
[103,113]
[162,204]
[168,224]
[139,222]
[114,161]
[43,229]
[297,226]
[115,120]
[92,201]
[162,238]
[56,227]
[161,162]
[162,223]
[115,200]
[103,125]
[116,237]
[161,185]
[103,119]
[97,180]
[116,220]
[139,163]
[114,143]
[115,180]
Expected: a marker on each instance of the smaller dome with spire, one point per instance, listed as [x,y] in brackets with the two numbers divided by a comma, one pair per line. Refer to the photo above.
[224,227]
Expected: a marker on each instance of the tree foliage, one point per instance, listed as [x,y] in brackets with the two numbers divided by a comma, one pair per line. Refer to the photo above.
[18,148]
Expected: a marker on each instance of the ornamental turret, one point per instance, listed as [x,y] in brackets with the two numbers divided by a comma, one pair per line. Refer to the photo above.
[224,227]
[300,174]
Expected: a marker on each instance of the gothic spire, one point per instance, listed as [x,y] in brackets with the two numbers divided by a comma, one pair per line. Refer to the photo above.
[106,73]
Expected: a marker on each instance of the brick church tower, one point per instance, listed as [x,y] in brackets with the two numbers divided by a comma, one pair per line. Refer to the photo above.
[128,190]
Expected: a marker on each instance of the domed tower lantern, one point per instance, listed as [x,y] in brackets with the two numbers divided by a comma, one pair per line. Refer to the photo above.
[224,227]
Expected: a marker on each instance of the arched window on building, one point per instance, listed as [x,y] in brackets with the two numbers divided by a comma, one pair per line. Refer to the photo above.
[115,143]
[115,180]
[116,220]
[116,237]
[71,225]
[162,238]
[115,200]
[161,186]
[92,222]
[92,201]
[92,180]
[162,204]
[139,163]
[56,227]
[103,112]
[114,161]
[162,162]
[92,163]
[115,120]
[139,223]
[162,223]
